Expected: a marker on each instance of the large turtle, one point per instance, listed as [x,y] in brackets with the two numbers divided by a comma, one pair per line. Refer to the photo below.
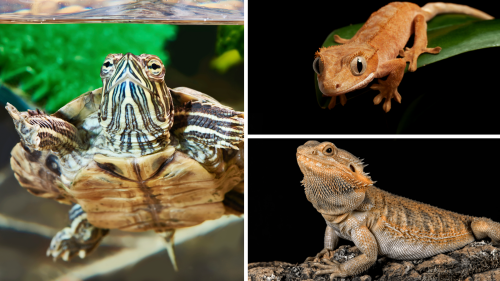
[133,155]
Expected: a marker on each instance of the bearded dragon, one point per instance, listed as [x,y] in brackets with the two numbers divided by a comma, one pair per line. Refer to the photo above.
[372,52]
[378,222]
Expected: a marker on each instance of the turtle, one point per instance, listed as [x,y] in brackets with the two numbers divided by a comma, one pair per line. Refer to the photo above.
[132,155]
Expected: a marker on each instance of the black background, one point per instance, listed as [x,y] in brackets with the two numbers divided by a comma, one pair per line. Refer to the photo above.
[454,174]
[460,94]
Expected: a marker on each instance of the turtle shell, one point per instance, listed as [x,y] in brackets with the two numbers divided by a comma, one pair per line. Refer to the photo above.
[160,191]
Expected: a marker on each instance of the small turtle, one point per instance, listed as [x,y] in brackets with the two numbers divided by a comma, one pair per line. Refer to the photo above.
[133,155]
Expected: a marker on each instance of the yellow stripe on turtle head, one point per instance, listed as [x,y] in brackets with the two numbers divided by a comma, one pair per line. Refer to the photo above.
[136,108]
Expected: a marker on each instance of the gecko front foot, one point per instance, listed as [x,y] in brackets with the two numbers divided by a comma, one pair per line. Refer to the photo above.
[387,91]
[324,254]
[340,40]
[331,267]
[411,55]
[333,101]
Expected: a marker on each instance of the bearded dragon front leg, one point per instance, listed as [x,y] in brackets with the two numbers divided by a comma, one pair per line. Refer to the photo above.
[331,241]
[389,88]
[420,44]
[366,243]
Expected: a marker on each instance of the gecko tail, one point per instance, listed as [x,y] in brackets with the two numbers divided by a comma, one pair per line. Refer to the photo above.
[436,8]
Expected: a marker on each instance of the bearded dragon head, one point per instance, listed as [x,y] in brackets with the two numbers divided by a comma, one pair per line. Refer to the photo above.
[334,180]
[345,68]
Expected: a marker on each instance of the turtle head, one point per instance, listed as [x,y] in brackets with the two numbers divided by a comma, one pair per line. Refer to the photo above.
[136,110]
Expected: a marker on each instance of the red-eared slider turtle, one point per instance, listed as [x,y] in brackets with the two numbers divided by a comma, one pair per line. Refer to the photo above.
[133,155]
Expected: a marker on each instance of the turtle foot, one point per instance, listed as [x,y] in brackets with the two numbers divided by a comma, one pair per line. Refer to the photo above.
[80,238]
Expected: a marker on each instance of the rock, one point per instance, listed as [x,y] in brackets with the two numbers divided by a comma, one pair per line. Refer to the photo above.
[478,261]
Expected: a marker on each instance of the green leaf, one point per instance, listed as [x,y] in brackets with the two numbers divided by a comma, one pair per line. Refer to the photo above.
[454,33]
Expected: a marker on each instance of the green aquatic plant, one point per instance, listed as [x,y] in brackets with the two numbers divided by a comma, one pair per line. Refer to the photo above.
[53,64]
[455,33]
[229,47]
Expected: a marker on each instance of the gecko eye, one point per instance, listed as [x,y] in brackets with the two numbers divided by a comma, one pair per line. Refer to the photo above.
[316,65]
[358,65]
[328,150]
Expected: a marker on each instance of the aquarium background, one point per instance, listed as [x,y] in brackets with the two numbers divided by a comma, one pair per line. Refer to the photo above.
[46,66]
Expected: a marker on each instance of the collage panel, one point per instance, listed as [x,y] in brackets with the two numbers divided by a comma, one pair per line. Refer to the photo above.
[447,94]
[413,208]
[123,148]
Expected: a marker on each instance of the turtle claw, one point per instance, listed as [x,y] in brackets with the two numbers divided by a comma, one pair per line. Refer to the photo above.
[80,238]
[65,246]
[27,132]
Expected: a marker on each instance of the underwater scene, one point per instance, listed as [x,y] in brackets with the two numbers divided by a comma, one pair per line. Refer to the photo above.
[138,11]
[46,67]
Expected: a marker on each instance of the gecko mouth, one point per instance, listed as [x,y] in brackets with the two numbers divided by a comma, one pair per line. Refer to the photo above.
[352,88]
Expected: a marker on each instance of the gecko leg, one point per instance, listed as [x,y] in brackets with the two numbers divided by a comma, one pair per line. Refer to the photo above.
[366,243]
[340,40]
[389,88]
[420,44]
[333,101]
[484,227]
[80,238]
[331,241]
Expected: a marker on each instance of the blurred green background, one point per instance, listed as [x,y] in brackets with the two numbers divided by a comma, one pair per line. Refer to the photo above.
[49,65]
[46,66]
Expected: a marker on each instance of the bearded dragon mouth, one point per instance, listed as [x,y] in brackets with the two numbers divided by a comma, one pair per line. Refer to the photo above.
[352,88]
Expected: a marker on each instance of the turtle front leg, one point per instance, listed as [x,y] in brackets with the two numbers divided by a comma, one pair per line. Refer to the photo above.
[80,238]
[40,131]
[207,123]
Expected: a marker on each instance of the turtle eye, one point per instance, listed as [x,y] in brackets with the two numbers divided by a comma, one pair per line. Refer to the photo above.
[329,150]
[107,66]
[358,65]
[155,67]
[316,65]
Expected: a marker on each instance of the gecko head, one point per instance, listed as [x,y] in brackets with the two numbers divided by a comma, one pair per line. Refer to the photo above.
[345,68]
[324,163]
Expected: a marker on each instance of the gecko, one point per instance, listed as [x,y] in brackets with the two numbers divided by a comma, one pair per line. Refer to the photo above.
[374,49]
[378,222]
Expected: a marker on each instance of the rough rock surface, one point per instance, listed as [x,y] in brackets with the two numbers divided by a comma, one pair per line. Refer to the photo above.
[478,261]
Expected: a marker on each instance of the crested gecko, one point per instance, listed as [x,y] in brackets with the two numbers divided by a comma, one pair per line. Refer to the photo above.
[372,52]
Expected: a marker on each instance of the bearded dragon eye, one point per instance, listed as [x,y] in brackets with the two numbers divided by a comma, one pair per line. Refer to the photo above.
[316,64]
[328,150]
[358,65]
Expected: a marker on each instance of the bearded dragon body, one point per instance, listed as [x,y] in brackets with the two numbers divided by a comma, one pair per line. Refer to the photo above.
[378,222]
[372,52]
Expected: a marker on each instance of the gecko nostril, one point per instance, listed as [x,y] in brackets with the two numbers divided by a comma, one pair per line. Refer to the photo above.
[337,86]
[314,152]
